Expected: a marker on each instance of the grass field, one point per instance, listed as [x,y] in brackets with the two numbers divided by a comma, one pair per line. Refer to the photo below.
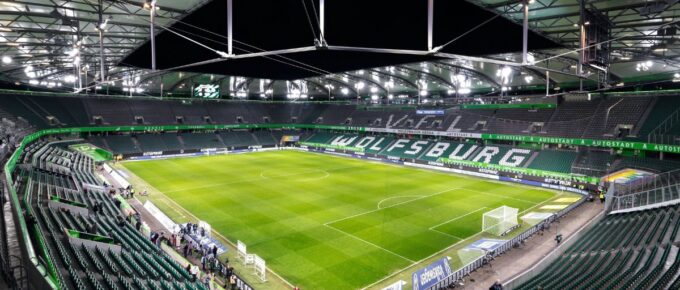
[325,222]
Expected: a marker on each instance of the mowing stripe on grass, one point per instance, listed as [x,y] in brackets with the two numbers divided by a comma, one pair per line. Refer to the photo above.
[391,206]
[457,218]
[286,219]
[501,196]
[367,242]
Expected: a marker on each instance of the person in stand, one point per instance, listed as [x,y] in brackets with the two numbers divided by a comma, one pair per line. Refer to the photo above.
[206,281]
[214,250]
[232,282]
[496,286]
[601,196]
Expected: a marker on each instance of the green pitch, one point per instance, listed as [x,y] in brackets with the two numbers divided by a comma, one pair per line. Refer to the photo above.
[326,222]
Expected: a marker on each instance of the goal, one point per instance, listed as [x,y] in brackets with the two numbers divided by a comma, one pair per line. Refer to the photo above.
[499,221]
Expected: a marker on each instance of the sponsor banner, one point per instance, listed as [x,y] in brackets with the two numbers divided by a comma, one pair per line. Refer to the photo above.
[460,170]
[544,185]
[486,245]
[330,146]
[521,170]
[425,132]
[154,153]
[430,275]
[586,142]
[167,156]
[431,112]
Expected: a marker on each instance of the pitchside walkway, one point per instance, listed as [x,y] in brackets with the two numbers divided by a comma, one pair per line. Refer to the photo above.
[515,262]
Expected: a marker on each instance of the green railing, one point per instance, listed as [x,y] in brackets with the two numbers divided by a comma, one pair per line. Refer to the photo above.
[89,237]
[67,201]
[52,277]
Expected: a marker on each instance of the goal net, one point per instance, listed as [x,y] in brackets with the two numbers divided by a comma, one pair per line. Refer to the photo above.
[499,221]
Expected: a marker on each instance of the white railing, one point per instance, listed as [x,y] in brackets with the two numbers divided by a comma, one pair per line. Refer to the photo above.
[658,197]
[648,183]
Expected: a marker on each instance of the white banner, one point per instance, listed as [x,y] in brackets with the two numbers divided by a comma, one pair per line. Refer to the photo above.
[161,217]
[117,177]
[425,132]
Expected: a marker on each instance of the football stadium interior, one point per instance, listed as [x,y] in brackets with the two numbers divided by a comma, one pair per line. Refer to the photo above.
[328,144]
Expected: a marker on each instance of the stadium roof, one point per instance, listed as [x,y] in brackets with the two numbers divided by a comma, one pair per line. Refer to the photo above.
[45,36]
[373,48]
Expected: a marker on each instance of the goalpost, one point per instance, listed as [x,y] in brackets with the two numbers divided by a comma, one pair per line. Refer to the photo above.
[500,220]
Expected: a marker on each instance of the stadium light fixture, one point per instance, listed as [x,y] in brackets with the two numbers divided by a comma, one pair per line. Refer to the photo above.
[528,79]
[423,93]
[344,91]
[374,90]
[360,85]
[70,79]
[6,59]
[102,26]
[464,91]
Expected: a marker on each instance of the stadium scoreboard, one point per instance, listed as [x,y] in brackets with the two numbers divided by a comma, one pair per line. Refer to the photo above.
[207,91]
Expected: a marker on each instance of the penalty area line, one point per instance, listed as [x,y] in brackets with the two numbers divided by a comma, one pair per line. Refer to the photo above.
[391,206]
[456,218]
[367,242]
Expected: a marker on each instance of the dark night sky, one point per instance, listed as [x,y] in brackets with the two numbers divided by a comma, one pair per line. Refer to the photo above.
[281,24]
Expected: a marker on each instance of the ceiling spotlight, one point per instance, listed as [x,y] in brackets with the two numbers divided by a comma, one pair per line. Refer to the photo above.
[464,91]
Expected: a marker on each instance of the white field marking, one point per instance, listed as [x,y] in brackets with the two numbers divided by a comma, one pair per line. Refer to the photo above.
[326,175]
[178,206]
[449,247]
[457,218]
[500,196]
[446,234]
[396,204]
[367,242]
[393,197]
